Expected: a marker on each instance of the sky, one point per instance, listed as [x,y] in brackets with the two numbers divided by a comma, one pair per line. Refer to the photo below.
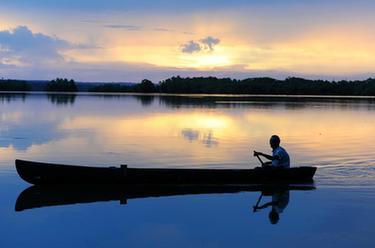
[129,40]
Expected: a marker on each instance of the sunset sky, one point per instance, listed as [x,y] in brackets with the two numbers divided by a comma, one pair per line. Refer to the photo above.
[128,40]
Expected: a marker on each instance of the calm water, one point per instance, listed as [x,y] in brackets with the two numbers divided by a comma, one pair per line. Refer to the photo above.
[336,135]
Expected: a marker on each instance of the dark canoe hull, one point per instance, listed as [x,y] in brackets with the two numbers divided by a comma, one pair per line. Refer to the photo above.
[57,195]
[44,173]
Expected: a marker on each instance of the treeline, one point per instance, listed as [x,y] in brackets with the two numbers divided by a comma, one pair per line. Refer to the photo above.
[14,85]
[61,85]
[265,85]
[213,85]
[146,86]
[289,86]
[57,85]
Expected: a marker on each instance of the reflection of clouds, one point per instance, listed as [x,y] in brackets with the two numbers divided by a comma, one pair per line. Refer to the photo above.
[209,140]
[190,134]
[23,125]
[206,137]
[11,116]
[21,136]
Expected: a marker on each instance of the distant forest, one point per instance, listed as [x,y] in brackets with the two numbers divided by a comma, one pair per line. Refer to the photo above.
[55,85]
[61,85]
[213,85]
[14,85]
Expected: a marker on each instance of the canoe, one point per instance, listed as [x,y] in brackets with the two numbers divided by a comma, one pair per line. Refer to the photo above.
[59,195]
[45,173]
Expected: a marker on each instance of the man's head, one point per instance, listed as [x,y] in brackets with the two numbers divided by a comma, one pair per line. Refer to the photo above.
[274,141]
[274,217]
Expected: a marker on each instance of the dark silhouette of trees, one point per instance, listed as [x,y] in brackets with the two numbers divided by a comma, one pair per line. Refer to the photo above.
[210,85]
[146,86]
[14,85]
[61,85]
[265,85]
[111,87]
[213,85]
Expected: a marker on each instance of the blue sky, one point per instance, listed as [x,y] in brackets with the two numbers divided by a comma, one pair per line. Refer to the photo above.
[129,40]
[97,5]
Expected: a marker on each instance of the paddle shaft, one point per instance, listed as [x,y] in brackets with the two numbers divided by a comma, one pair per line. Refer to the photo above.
[257,204]
[260,160]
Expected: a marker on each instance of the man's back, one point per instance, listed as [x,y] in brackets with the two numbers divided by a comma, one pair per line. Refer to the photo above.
[284,160]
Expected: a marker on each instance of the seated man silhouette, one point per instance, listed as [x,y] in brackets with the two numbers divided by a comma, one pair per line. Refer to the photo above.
[279,157]
[279,202]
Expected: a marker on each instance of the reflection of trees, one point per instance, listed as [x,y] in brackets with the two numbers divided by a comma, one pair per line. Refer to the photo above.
[206,101]
[176,101]
[62,99]
[8,97]
[146,100]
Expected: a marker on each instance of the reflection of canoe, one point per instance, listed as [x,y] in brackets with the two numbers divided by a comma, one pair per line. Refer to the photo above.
[55,195]
[43,173]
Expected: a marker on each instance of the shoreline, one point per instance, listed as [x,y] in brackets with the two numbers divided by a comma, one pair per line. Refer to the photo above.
[200,95]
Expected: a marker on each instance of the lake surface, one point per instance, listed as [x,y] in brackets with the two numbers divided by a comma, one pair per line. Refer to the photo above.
[335,134]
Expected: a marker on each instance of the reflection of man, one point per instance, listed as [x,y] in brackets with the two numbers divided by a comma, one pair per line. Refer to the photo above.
[279,202]
[279,157]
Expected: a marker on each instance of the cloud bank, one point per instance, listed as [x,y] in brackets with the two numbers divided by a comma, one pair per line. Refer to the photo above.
[21,45]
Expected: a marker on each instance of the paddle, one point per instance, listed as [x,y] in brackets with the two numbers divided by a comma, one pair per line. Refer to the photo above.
[257,204]
[260,160]
[261,195]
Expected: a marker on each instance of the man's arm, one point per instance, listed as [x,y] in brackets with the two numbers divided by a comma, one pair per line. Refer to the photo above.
[269,157]
[266,205]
